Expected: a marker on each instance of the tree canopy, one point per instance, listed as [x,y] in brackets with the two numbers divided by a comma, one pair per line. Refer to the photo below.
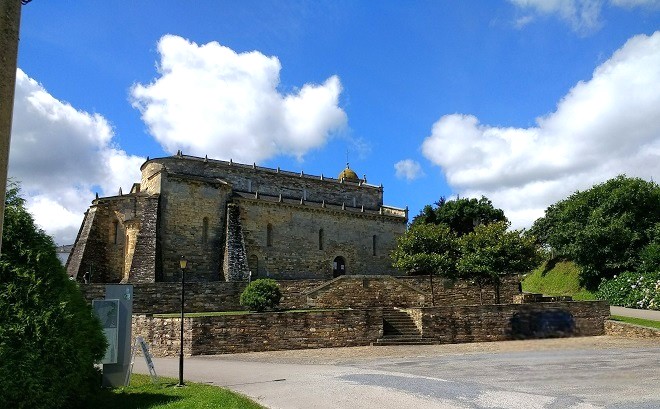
[49,339]
[491,251]
[427,249]
[611,228]
[461,215]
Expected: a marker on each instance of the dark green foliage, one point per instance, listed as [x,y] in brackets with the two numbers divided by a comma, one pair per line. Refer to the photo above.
[261,295]
[633,290]
[605,228]
[49,339]
[461,215]
[491,251]
[427,249]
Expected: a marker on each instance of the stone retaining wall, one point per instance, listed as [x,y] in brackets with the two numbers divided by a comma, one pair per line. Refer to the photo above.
[260,332]
[463,292]
[365,292]
[343,328]
[501,322]
[623,329]
[152,298]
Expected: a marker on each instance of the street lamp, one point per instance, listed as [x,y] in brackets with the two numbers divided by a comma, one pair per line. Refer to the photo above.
[183,263]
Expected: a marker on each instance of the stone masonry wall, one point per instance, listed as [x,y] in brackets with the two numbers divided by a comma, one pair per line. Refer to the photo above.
[192,224]
[463,292]
[247,178]
[101,244]
[298,248]
[260,332]
[365,292]
[235,267]
[143,266]
[623,329]
[513,321]
[341,328]
[152,298]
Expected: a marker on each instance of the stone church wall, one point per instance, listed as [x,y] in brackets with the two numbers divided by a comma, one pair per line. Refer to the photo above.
[297,248]
[192,223]
[246,178]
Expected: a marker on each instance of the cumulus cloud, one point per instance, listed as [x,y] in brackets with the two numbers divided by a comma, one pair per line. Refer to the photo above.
[602,127]
[582,15]
[408,169]
[60,154]
[208,99]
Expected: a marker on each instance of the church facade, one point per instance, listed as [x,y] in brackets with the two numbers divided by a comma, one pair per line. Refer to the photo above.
[230,220]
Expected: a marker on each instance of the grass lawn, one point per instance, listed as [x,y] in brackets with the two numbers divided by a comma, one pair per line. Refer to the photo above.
[144,394]
[561,278]
[637,321]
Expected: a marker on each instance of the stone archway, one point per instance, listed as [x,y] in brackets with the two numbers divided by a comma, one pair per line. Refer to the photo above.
[338,267]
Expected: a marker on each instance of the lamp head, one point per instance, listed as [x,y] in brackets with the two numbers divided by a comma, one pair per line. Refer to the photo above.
[183,263]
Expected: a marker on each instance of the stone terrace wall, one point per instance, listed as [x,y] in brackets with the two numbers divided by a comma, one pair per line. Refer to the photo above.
[260,332]
[463,292]
[365,292]
[342,328]
[623,329]
[152,298]
[513,321]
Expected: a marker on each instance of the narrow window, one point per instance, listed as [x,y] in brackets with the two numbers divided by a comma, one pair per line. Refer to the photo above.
[269,235]
[373,244]
[320,239]
[205,230]
[115,232]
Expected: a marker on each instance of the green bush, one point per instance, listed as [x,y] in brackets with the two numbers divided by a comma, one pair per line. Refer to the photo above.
[261,295]
[49,339]
[632,290]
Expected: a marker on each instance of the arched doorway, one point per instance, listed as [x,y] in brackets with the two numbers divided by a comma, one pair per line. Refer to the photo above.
[338,267]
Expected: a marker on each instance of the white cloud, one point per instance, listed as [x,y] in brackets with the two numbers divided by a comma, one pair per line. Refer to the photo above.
[210,100]
[603,127]
[59,154]
[582,15]
[408,169]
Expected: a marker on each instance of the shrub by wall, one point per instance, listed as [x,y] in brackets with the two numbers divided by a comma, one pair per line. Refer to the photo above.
[632,290]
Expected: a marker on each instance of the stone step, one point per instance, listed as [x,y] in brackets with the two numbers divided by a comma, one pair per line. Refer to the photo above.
[392,340]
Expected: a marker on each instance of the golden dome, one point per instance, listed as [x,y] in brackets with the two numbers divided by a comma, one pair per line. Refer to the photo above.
[349,175]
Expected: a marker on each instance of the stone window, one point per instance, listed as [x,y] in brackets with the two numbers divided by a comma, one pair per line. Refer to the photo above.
[320,239]
[115,232]
[373,245]
[205,230]
[269,235]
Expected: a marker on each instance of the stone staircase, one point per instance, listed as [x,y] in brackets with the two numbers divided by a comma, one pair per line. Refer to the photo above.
[400,329]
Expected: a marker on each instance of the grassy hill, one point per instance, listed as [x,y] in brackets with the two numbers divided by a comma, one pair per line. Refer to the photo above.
[562,278]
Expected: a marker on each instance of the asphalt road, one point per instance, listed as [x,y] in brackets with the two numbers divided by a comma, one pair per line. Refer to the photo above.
[631,312]
[580,373]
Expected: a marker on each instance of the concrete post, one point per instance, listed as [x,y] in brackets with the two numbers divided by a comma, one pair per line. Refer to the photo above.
[10,19]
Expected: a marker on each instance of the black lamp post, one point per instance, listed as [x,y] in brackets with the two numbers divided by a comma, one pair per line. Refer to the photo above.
[182,264]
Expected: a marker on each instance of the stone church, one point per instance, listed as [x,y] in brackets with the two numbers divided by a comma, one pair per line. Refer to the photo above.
[230,220]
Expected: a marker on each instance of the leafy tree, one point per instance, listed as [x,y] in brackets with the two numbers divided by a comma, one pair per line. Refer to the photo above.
[427,249]
[261,295]
[603,229]
[491,251]
[49,339]
[461,215]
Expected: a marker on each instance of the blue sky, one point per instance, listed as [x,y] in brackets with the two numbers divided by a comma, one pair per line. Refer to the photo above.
[523,101]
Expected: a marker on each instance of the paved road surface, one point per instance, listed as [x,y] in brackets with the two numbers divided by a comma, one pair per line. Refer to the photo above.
[631,312]
[580,373]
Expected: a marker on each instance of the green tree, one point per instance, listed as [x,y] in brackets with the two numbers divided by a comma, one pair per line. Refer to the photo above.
[461,215]
[491,251]
[427,249]
[603,229]
[49,339]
